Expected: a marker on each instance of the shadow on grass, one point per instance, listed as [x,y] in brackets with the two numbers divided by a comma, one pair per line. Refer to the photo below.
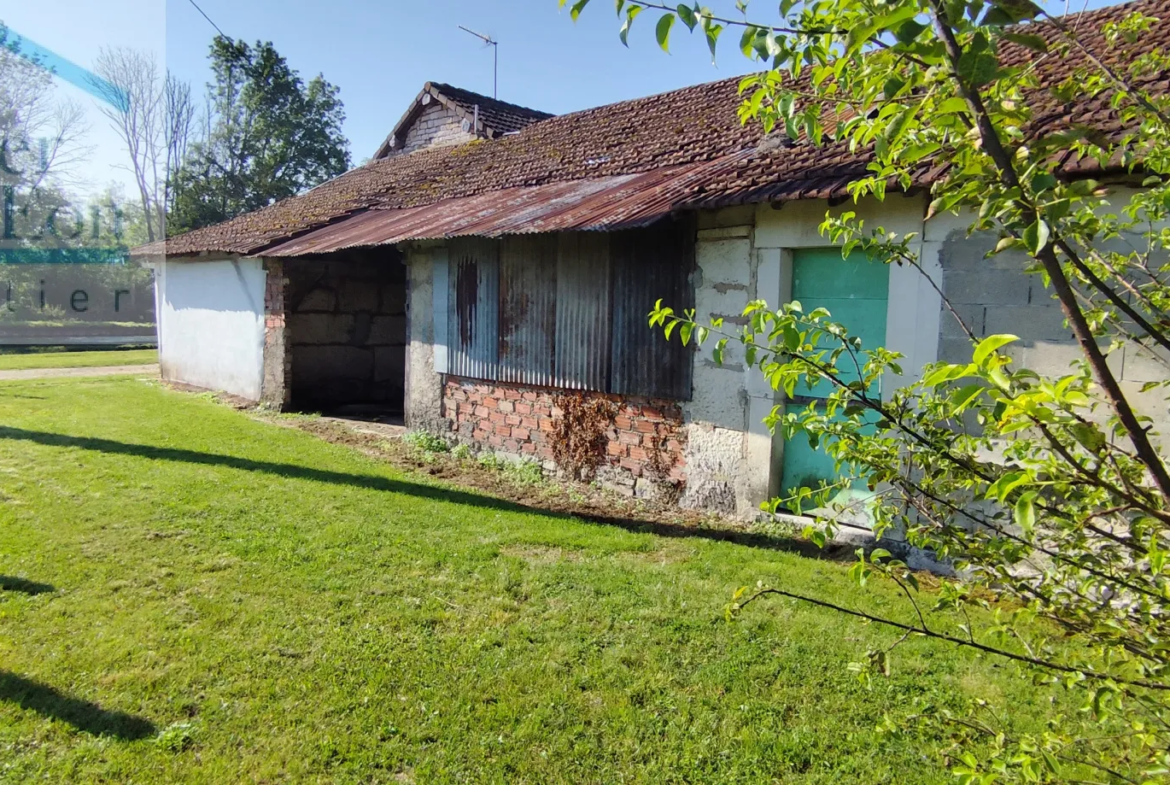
[83,715]
[9,583]
[386,484]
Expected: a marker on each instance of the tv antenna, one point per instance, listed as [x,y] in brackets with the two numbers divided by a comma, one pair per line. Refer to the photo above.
[487,39]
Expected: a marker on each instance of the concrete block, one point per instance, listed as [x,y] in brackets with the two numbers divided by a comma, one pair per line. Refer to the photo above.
[725,261]
[1048,358]
[320,299]
[954,350]
[362,323]
[390,363]
[1145,365]
[388,331]
[321,328]
[974,316]
[424,396]
[988,287]
[960,253]
[317,364]
[710,302]
[356,295]
[1030,322]
[393,298]
[717,397]
[714,460]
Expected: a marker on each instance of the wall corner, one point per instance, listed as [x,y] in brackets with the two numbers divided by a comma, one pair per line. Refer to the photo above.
[275,389]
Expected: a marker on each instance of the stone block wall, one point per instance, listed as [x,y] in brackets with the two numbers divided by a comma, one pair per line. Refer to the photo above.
[347,330]
[437,126]
[644,451]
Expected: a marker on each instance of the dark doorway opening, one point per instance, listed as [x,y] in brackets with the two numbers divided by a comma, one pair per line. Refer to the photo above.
[346,322]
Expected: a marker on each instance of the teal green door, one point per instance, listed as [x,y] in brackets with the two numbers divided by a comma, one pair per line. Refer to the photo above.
[855,291]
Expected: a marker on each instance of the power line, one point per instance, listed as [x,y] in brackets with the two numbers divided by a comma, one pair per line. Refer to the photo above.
[208,18]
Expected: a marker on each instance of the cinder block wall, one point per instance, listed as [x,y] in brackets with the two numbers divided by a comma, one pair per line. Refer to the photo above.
[437,126]
[995,295]
[346,330]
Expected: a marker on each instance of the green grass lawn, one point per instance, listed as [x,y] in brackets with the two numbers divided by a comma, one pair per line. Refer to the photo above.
[19,362]
[193,595]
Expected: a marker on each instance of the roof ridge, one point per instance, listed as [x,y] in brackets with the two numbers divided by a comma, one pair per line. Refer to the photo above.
[446,87]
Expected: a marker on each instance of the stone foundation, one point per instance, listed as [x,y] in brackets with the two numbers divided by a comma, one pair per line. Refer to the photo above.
[644,446]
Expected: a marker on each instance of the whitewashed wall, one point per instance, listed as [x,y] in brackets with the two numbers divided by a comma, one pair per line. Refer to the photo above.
[211,324]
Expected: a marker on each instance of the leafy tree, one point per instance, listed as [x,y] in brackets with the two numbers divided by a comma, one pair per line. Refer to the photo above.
[1046,491]
[271,136]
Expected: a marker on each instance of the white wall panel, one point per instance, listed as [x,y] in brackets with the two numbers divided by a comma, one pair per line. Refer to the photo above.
[211,324]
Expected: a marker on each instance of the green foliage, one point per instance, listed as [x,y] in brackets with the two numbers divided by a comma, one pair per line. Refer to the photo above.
[525,472]
[177,737]
[489,460]
[426,442]
[272,137]
[1045,490]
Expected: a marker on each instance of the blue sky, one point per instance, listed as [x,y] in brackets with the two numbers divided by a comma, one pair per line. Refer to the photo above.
[381,53]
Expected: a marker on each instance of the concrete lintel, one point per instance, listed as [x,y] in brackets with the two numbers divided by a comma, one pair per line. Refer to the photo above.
[725,233]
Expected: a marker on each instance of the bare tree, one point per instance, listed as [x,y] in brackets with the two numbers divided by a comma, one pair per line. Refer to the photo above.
[181,125]
[154,115]
[39,137]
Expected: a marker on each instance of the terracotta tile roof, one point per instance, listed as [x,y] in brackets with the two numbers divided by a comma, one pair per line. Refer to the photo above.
[687,126]
[500,117]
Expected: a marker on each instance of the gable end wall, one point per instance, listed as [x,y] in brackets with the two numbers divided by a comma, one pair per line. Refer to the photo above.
[436,126]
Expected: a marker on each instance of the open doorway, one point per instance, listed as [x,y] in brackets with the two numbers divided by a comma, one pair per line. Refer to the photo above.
[346,323]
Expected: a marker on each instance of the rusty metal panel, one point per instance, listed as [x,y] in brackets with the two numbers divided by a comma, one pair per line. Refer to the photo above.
[595,204]
[528,313]
[570,310]
[473,326]
[583,312]
[648,265]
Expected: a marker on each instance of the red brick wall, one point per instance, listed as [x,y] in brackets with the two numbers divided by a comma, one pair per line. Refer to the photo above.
[644,439]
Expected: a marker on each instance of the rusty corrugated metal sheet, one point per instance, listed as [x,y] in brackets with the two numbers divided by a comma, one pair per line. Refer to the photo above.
[602,204]
[650,264]
[584,314]
[473,324]
[569,310]
[528,314]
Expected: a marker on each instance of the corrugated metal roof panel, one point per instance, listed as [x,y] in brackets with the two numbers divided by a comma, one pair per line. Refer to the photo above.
[603,204]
